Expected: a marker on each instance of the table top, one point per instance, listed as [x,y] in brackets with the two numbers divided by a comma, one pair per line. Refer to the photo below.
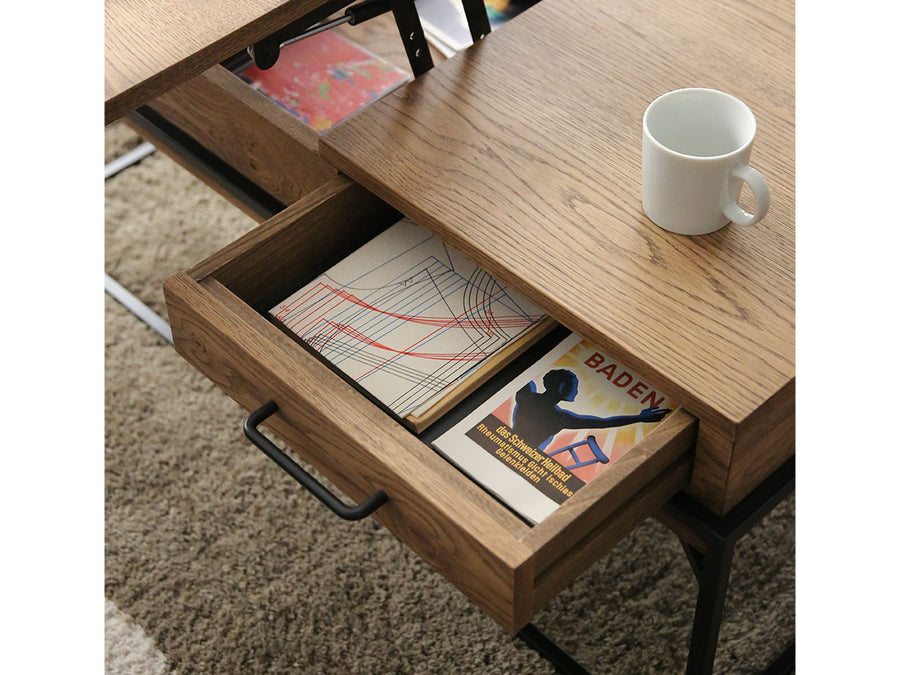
[153,45]
[525,153]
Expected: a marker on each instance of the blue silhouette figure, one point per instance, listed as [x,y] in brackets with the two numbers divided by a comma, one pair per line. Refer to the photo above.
[537,418]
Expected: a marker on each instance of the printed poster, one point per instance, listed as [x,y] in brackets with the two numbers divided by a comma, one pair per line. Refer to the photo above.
[555,427]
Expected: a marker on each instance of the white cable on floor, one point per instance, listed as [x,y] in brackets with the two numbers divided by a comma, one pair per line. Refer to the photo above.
[128,159]
[138,308]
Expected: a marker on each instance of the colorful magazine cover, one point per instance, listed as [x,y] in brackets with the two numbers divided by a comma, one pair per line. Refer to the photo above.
[325,78]
[555,427]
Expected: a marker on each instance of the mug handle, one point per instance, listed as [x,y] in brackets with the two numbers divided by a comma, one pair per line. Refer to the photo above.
[760,191]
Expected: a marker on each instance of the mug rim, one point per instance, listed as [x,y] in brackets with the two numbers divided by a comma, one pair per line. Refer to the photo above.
[698,158]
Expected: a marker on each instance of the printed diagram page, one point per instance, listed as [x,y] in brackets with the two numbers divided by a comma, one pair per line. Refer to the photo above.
[406,316]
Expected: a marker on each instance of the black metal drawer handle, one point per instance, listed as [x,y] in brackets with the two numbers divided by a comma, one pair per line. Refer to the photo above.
[365,508]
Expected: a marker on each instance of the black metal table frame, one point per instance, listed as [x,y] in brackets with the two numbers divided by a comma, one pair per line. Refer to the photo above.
[708,541]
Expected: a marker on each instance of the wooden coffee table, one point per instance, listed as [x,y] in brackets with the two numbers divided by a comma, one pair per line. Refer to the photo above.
[524,153]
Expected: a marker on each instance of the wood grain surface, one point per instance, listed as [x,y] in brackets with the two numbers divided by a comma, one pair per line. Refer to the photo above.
[270,262]
[525,153]
[217,312]
[249,131]
[597,501]
[194,164]
[153,45]
[579,555]
[437,511]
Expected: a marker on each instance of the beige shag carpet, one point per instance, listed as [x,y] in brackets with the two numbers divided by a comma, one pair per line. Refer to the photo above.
[217,562]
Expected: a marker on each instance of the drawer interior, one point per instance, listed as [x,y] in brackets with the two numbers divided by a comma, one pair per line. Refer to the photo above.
[509,568]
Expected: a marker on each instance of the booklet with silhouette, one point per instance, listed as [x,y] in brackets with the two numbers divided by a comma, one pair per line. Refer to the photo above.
[555,427]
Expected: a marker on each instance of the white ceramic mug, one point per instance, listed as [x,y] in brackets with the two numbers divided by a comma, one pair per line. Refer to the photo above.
[696,150]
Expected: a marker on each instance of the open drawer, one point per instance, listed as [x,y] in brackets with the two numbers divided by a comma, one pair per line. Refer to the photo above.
[219,323]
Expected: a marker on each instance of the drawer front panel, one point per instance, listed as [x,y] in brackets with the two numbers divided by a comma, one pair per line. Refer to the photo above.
[606,509]
[247,131]
[454,527]
[576,557]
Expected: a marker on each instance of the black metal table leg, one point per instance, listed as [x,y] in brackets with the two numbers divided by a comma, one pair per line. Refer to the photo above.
[714,571]
[413,37]
[712,567]
[535,638]
[477,18]
[784,663]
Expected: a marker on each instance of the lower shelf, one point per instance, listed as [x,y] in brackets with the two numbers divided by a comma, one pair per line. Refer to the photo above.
[221,177]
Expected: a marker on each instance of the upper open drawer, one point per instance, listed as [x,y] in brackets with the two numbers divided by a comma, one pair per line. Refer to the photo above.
[510,569]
